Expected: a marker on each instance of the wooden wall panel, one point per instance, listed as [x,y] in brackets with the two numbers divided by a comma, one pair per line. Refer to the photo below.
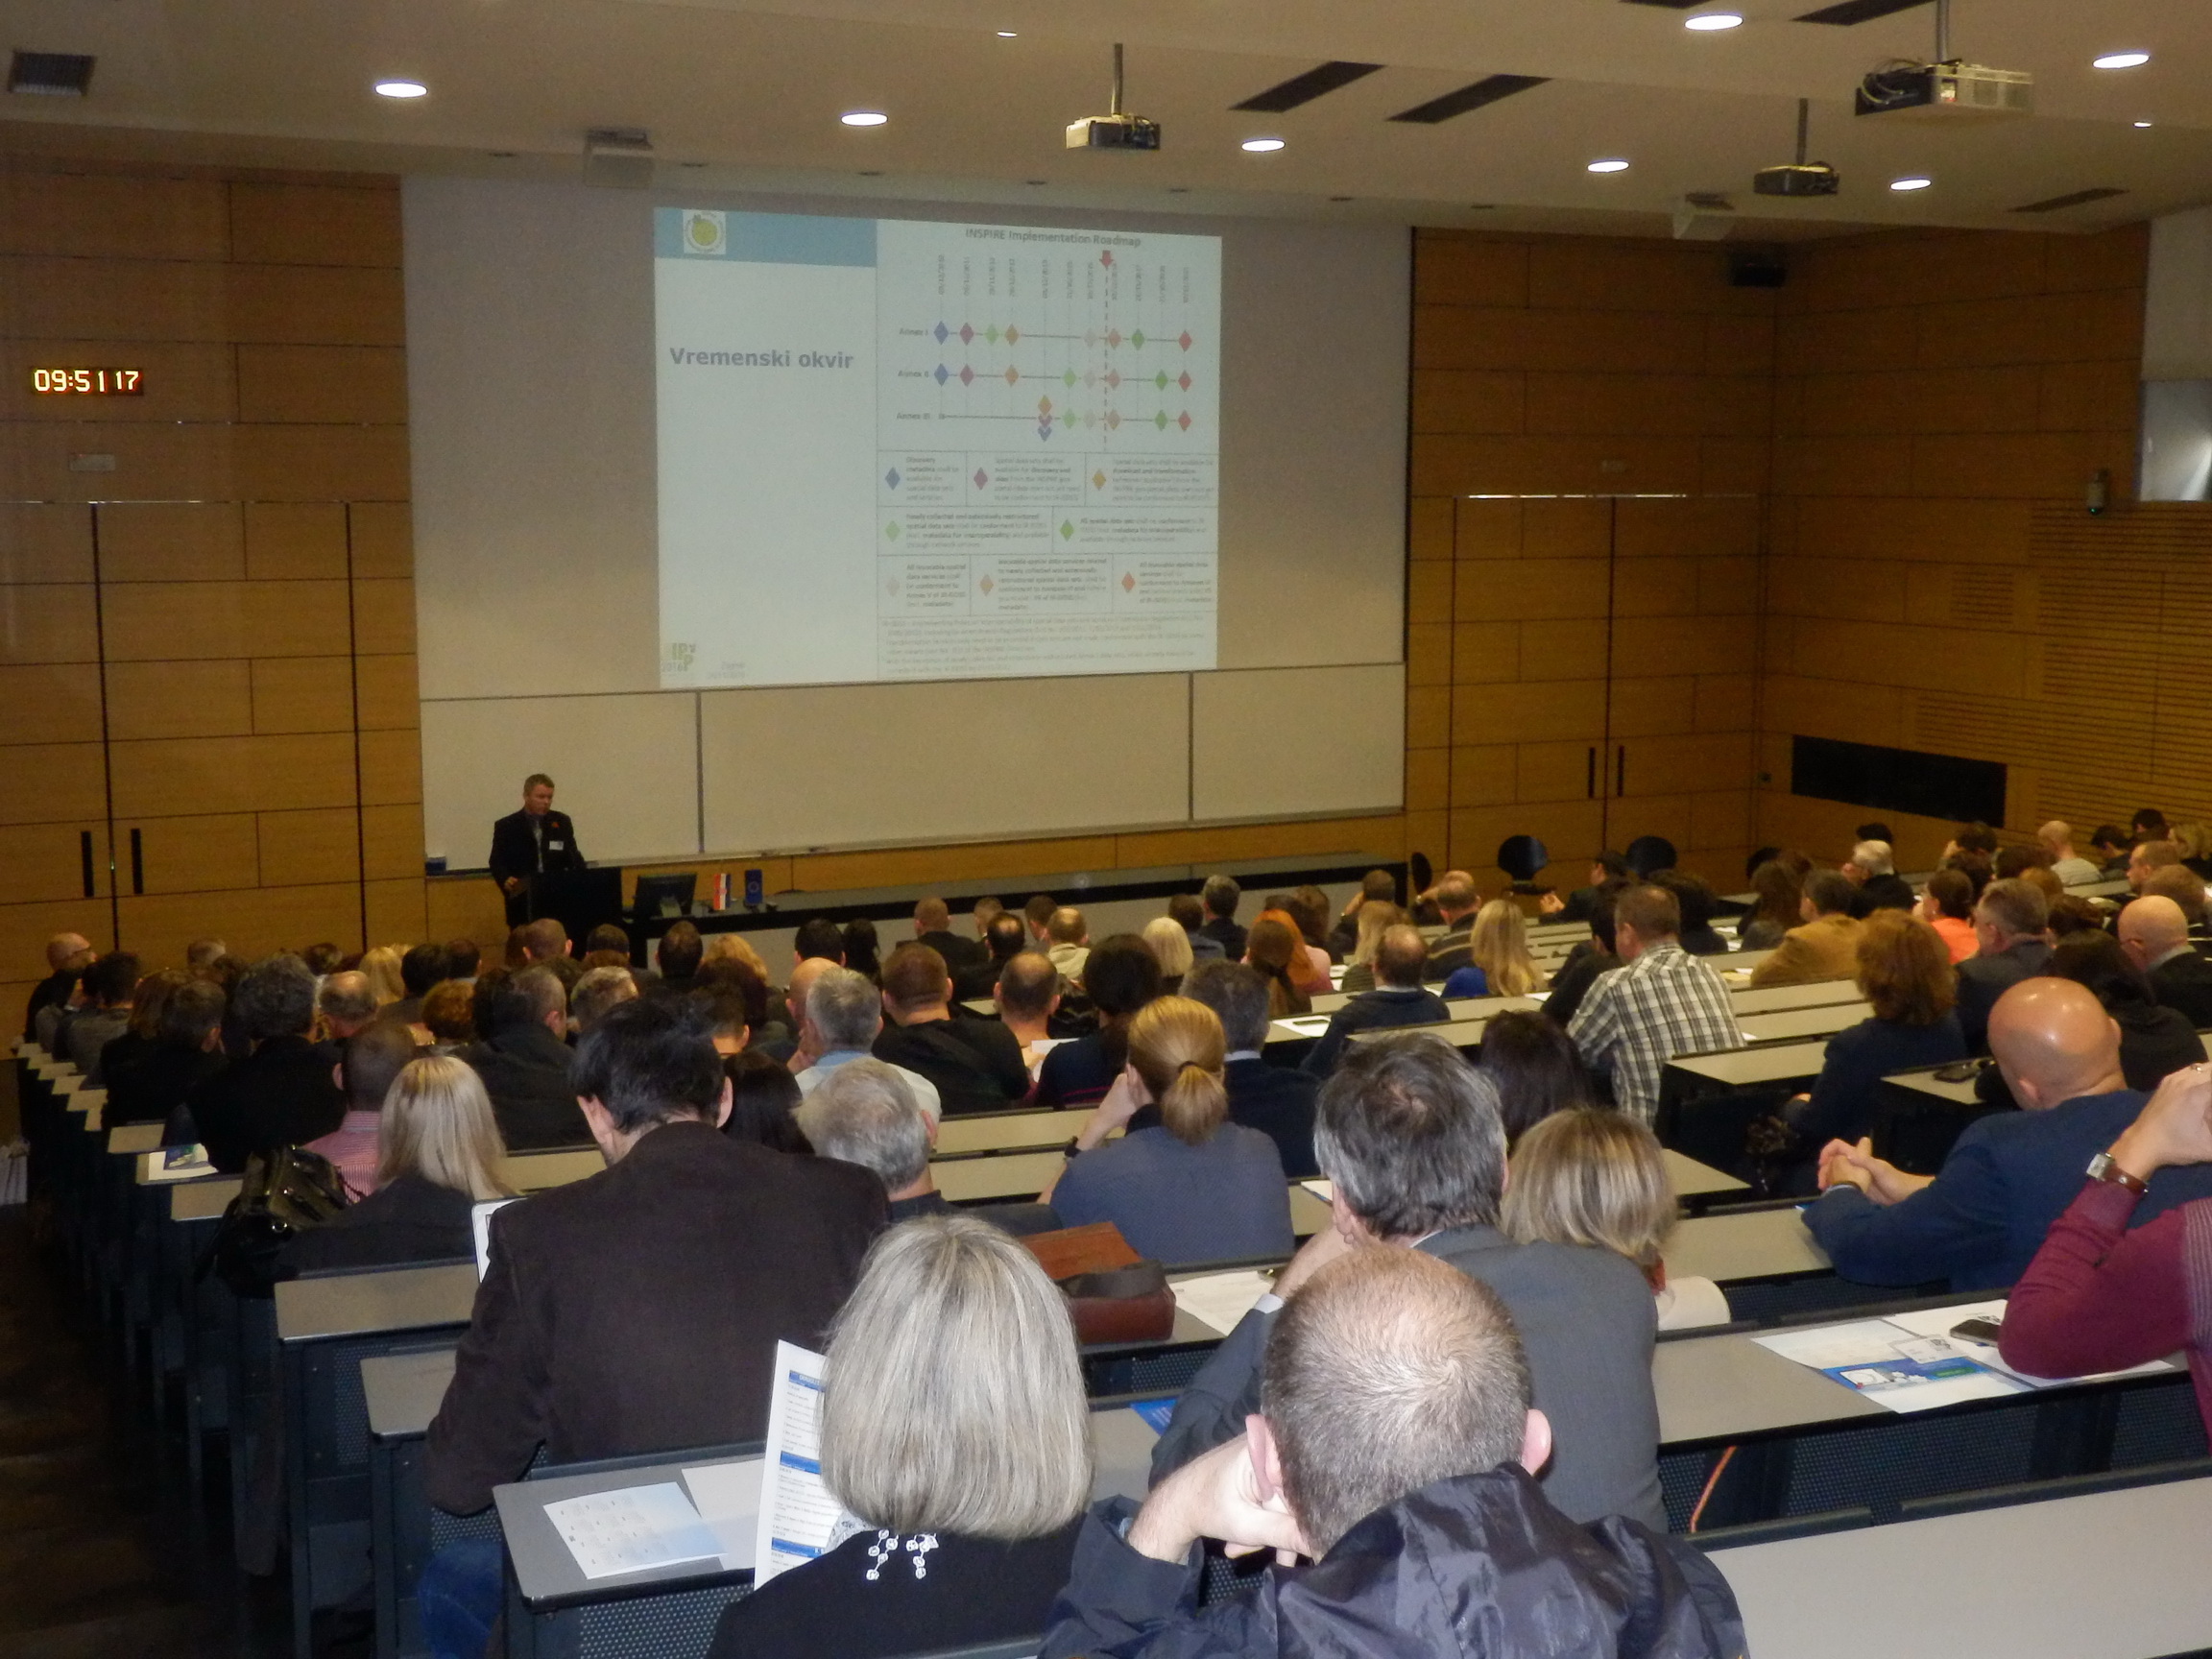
[57,701]
[44,863]
[164,621]
[295,540]
[49,622]
[52,784]
[42,542]
[180,700]
[172,541]
[161,780]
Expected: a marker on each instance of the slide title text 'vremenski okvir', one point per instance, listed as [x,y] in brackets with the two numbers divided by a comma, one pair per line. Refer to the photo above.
[684,354]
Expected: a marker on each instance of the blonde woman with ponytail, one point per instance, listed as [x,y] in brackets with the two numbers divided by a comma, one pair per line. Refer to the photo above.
[1185,1184]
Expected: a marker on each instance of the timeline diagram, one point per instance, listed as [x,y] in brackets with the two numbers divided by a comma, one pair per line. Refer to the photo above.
[1048,445]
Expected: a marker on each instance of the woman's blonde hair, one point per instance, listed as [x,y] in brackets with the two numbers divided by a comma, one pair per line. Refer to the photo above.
[1377,917]
[1499,945]
[1170,944]
[437,1124]
[1591,1176]
[734,947]
[954,1399]
[380,967]
[1178,1048]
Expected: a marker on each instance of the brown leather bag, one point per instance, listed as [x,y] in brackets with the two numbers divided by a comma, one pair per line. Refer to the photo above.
[1115,1294]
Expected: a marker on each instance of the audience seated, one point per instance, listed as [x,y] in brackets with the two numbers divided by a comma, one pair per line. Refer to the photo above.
[865,1113]
[1121,977]
[524,1061]
[2185,887]
[1194,1188]
[1375,916]
[1006,937]
[1871,870]
[1662,1003]
[1170,948]
[1399,998]
[1420,1507]
[1309,908]
[1026,993]
[1456,899]
[2148,858]
[1273,1099]
[741,970]
[283,1093]
[1589,1176]
[637,1311]
[1947,905]
[955,1429]
[1410,1134]
[1578,905]
[1535,1067]
[597,992]
[2057,838]
[380,968]
[863,952]
[368,1064]
[1273,950]
[1188,913]
[2155,1040]
[1694,898]
[140,1036]
[678,955]
[608,936]
[102,1015]
[2108,1289]
[1498,960]
[2010,920]
[1824,945]
[1979,1220]
[843,1019]
[420,967]
[2154,932]
[933,927]
[1587,961]
[1778,891]
[975,1064]
[1218,898]
[2073,914]
[1036,916]
[721,1004]
[438,1155]
[2111,844]
[1905,971]
[1309,963]
[763,1103]
[187,1050]
[1067,943]
[345,1005]
[1375,887]
[449,1015]
[67,956]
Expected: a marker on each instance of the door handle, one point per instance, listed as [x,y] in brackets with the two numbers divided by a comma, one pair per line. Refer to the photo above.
[137,863]
[1620,772]
[85,856]
[1590,773]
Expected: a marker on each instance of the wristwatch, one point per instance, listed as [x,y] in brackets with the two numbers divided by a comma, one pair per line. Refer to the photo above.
[2102,1168]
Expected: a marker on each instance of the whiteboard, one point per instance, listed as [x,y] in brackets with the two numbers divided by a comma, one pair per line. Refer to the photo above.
[1279,742]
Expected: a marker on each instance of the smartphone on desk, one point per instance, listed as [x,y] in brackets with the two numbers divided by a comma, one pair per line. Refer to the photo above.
[1959,1071]
[1979,1330]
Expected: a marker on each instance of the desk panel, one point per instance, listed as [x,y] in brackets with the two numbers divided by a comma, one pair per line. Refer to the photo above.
[1753,1245]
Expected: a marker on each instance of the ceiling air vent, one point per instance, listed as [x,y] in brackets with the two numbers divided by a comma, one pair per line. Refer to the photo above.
[50,74]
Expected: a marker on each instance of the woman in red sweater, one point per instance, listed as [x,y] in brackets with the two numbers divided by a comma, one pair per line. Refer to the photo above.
[2099,1297]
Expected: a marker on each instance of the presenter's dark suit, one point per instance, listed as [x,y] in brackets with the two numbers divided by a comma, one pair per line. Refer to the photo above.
[516,850]
[639,1310]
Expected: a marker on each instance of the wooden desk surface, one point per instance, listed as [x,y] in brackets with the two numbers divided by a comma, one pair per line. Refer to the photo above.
[1691,1179]
[1755,1244]
[1926,1082]
[1793,1023]
[1773,999]
[203,1199]
[1738,1068]
[403,1299]
[1009,1131]
[2106,1575]
[1722,1388]
[134,1137]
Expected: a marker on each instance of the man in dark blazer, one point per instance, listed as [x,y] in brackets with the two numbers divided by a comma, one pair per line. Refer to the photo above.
[283,1093]
[2154,933]
[1415,1143]
[524,1063]
[639,1310]
[1399,998]
[535,841]
[2008,922]
[1979,1220]
[1219,899]
[1274,1099]
[975,1064]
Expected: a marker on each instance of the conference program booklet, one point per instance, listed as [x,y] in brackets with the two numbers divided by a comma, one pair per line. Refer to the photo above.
[800,1519]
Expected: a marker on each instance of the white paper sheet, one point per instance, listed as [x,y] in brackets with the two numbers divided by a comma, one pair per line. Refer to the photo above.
[1938,1321]
[179,1164]
[1324,1190]
[1222,1299]
[480,1221]
[631,1529]
[1875,1348]
[728,1499]
[1307,1025]
[798,1518]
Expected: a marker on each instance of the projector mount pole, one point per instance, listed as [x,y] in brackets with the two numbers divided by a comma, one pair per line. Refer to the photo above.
[1804,116]
[1116,107]
[1943,31]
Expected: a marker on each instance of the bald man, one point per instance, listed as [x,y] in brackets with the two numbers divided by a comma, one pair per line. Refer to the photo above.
[2068,865]
[67,956]
[2154,933]
[1980,1221]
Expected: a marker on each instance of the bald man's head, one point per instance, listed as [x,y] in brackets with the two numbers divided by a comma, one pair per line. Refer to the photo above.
[803,980]
[2054,1042]
[68,951]
[2150,929]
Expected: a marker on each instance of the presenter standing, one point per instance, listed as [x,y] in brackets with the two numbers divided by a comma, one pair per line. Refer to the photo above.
[535,841]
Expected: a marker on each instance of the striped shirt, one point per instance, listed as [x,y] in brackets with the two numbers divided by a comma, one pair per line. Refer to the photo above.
[1636,1019]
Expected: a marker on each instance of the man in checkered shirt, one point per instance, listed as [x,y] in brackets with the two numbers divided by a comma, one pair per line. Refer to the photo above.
[1662,1002]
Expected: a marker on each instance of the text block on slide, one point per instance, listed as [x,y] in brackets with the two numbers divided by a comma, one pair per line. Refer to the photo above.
[896,449]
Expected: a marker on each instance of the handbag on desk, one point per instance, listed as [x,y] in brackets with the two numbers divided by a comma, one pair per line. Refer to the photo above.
[285,1192]
[1113,1294]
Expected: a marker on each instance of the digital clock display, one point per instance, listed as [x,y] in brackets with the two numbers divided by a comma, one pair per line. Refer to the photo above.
[87,382]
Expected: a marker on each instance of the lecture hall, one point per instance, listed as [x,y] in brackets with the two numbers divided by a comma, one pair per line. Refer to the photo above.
[1557,999]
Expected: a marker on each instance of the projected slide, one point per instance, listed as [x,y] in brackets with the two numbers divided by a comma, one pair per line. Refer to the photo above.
[896,449]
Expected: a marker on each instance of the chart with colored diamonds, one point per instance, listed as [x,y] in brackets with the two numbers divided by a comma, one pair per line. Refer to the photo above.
[1048,448]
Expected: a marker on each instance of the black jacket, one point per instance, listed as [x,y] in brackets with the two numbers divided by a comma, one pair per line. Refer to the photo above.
[1278,1102]
[1227,934]
[147,1088]
[409,1221]
[1475,1566]
[639,1310]
[515,847]
[1984,977]
[1890,892]
[54,987]
[1375,1010]
[975,1064]
[281,1095]
[525,1071]
[2185,982]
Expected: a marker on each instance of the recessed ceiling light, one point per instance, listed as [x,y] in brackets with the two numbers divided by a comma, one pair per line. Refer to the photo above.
[1005,34]
[1706,21]
[2120,61]
[401,88]
[1261,146]
[1612,165]
[1911,182]
[863,117]
[2142,123]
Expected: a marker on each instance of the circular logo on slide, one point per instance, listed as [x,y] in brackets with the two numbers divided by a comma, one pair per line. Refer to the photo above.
[704,231]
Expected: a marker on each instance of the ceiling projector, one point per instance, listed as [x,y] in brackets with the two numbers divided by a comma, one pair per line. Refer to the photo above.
[1114,130]
[1944,90]
[1799,178]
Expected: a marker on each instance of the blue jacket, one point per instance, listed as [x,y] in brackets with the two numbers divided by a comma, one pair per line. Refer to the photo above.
[1844,1099]
[2007,1180]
